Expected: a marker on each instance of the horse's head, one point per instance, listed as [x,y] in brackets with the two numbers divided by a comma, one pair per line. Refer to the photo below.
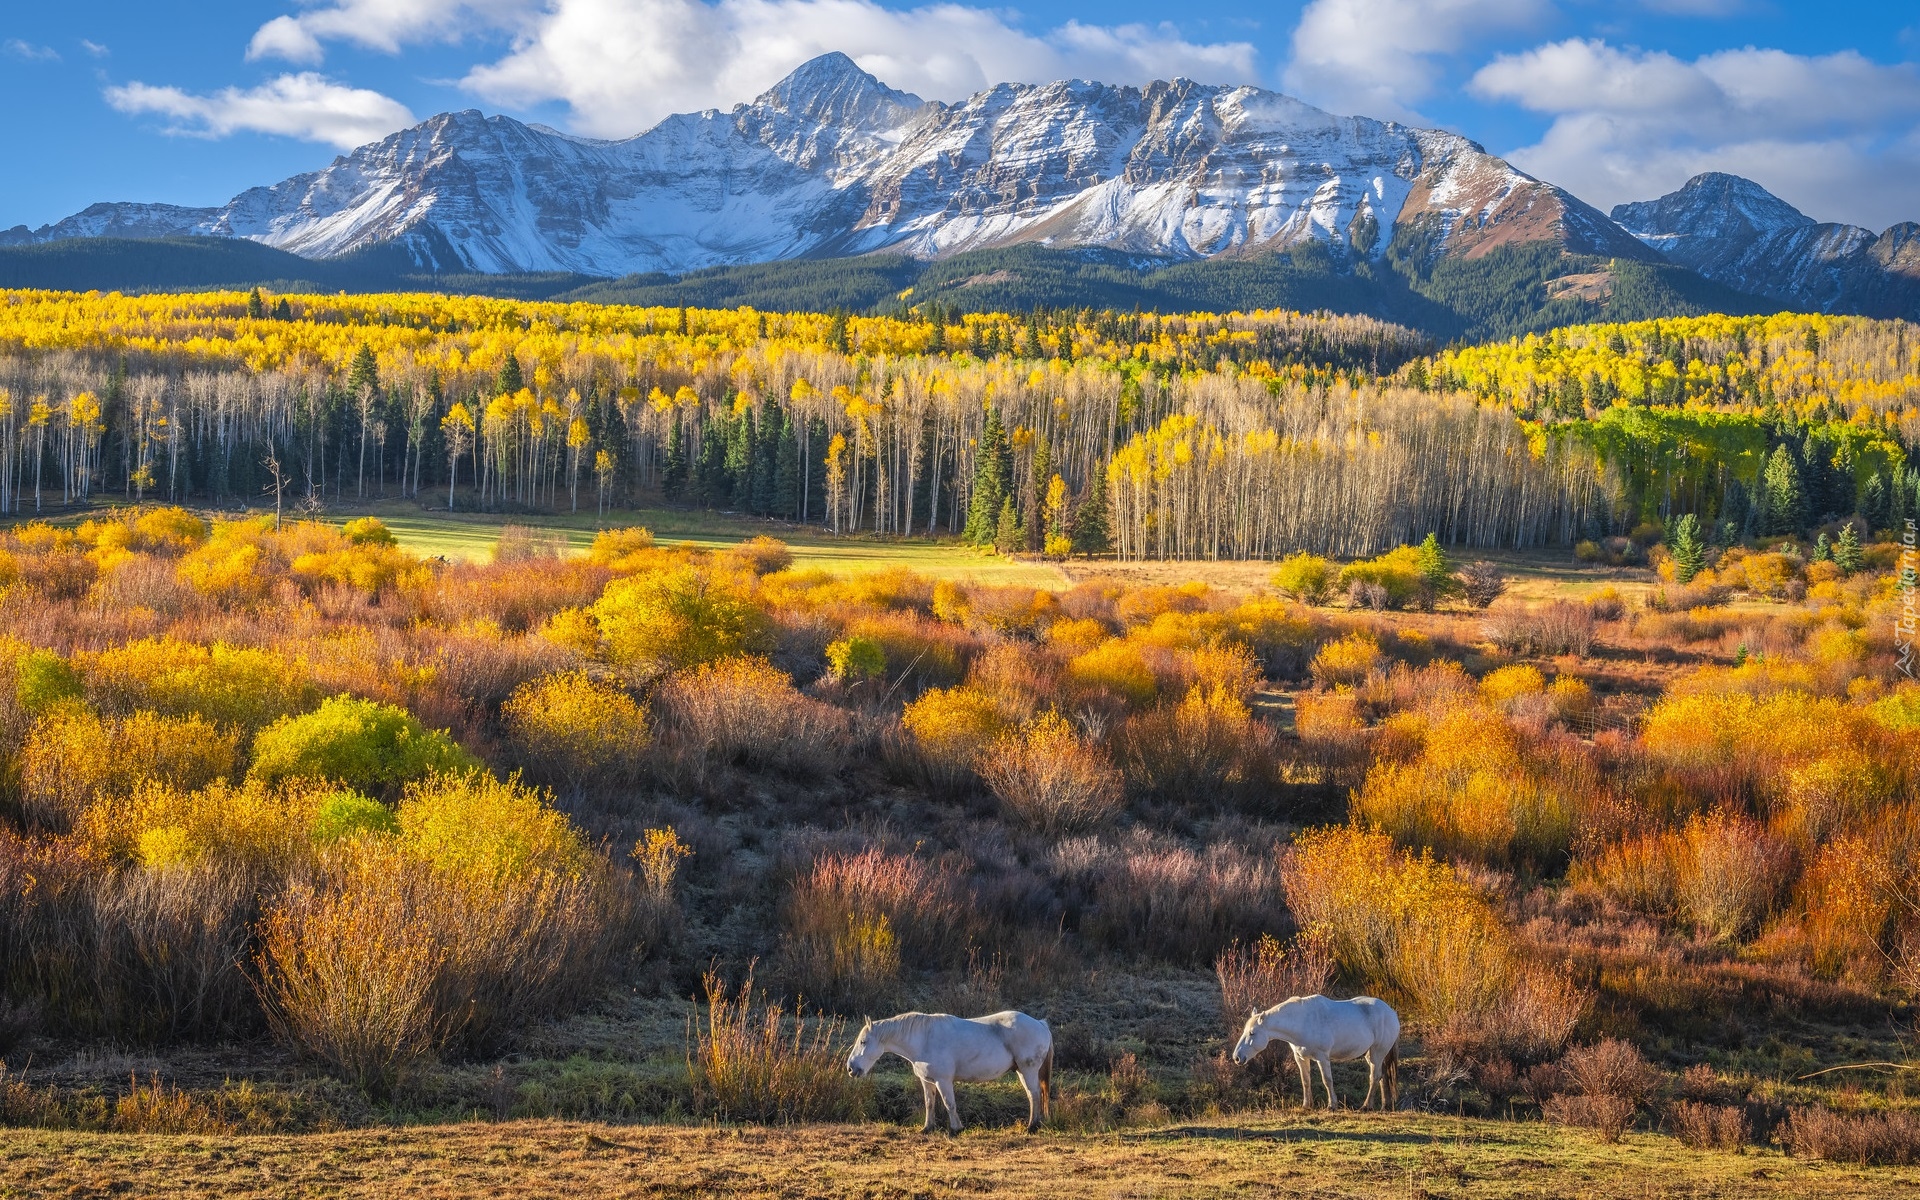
[866,1051]
[1253,1039]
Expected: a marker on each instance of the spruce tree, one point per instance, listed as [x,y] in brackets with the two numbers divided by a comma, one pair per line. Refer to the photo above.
[1089,530]
[786,472]
[1689,553]
[1781,483]
[1041,471]
[1434,567]
[511,380]
[1822,550]
[1874,508]
[992,480]
[1846,551]
[1008,537]
[364,375]
[256,307]
[673,477]
[738,482]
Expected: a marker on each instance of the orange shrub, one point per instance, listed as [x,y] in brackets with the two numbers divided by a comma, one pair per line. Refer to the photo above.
[1119,667]
[952,728]
[1050,779]
[746,710]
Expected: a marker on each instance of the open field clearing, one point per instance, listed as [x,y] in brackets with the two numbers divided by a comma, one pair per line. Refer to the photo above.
[1357,1157]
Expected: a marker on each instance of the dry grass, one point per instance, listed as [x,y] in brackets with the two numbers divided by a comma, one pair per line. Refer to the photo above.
[1352,1157]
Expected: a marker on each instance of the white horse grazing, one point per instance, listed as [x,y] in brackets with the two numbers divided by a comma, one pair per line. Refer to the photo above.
[1331,1031]
[943,1048]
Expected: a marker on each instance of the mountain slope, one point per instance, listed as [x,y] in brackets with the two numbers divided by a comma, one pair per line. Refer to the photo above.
[832,162]
[1733,231]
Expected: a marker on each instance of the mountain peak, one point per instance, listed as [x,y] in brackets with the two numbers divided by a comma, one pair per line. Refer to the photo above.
[1714,204]
[833,90]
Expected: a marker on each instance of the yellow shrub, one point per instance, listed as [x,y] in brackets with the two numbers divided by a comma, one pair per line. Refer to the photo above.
[479,826]
[683,617]
[953,726]
[249,826]
[73,758]
[1507,682]
[1116,666]
[573,628]
[623,550]
[1470,793]
[1347,661]
[232,685]
[1077,636]
[1308,578]
[571,728]
[1408,927]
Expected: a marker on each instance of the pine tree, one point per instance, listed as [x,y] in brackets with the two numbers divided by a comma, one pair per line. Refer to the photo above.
[673,477]
[256,307]
[737,484]
[1008,537]
[786,472]
[992,481]
[511,381]
[1434,567]
[1784,498]
[1874,508]
[364,375]
[283,310]
[1041,471]
[1846,551]
[1689,553]
[766,456]
[1822,550]
[1089,532]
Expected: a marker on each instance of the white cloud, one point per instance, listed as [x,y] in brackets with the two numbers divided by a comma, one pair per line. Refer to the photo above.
[621,65]
[1382,57]
[307,106]
[94,48]
[385,25]
[285,38]
[31,52]
[1838,135]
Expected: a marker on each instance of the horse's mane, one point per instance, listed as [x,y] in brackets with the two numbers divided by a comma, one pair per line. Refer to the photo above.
[909,1022]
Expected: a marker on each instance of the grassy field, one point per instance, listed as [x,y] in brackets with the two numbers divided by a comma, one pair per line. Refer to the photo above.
[1358,1156]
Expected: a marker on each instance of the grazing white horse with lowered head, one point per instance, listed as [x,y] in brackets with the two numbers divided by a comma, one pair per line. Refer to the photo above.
[1331,1031]
[944,1048]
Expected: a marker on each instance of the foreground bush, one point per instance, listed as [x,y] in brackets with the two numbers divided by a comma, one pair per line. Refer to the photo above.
[1416,933]
[854,921]
[486,913]
[1607,1083]
[1865,1139]
[74,758]
[752,1062]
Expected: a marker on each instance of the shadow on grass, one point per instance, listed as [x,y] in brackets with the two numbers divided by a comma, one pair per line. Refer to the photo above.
[1293,1133]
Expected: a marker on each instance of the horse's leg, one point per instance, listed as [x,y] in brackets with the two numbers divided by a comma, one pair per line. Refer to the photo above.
[1306,1077]
[927,1096]
[953,1110]
[1030,1080]
[1373,1079]
[1326,1077]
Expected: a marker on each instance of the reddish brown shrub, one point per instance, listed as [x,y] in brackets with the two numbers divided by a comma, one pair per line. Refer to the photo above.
[1050,779]
[1710,1126]
[1867,1139]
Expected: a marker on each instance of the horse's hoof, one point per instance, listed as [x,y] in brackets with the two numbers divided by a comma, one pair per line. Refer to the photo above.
[953,1133]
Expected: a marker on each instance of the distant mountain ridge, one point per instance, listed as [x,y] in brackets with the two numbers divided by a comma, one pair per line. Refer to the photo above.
[1733,231]
[831,161]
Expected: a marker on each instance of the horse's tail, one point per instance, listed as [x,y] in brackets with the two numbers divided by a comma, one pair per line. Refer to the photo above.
[1391,1079]
[1046,1080]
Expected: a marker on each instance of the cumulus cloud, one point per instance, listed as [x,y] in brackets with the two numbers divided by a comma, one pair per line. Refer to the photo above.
[307,106]
[1381,58]
[621,65]
[1836,135]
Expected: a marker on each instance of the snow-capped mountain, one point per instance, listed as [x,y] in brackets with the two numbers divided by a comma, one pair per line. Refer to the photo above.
[1734,231]
[831,161]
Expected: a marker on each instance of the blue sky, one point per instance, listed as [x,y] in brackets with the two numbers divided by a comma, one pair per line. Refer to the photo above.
[191,103]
